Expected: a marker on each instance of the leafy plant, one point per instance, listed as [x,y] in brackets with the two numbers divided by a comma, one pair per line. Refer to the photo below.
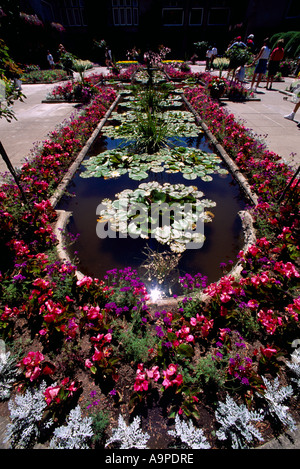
[27,413]
[274,396]
[189,435]
[135,345]
[294,366]
[8,372]
[209,373]
[100,421]
[77,434]
[236,424]
[238,56]
[138,213]
[130,436]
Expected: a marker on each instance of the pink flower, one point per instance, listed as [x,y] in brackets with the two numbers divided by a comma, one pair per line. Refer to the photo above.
[153,373]
[190,338]
[88,363]
[252,304]
[141,384]
[108,337]
[171,370]
[254,250]
[225,297]
[193,321]
[166,382]
[85,281]
[268,351]
[51,393]
[178,380]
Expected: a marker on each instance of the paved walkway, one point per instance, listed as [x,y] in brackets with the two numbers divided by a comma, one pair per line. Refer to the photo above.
[36,119]
[266,118]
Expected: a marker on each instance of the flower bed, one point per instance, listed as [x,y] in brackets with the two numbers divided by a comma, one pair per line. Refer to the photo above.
[100,344]
[73,91]
[44,76]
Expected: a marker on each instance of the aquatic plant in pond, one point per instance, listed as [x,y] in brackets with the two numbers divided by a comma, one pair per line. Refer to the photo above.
[193,163]
[137,213]
[131,157]
[192,340]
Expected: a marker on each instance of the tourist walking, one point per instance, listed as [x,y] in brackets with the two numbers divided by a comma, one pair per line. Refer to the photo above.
[296,99]
[292,114]
[261,66]
[274,62]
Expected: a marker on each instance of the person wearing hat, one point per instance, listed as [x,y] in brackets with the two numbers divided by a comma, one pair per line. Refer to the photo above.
[250,42]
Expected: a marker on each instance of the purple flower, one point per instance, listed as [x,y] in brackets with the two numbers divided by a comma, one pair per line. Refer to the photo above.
[159,331]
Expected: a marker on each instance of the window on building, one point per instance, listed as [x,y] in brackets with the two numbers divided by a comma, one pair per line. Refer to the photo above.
[73,13]
[173,4]
[172,16]
[47,10]
[196,16]
[218,16]
[125,12]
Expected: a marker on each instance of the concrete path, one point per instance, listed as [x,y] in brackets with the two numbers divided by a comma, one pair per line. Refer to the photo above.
[35,120]
[266,118]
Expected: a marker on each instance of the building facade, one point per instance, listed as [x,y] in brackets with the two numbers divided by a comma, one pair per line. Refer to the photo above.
[177,24]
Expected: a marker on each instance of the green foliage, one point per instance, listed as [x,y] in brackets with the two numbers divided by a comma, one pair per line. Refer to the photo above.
[44,76]
[100,422]
[238,56]
[136,346]
[151,133]
[8,71]
[209,373]
[291,42]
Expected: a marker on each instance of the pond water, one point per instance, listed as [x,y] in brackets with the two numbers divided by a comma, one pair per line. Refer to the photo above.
[224,236]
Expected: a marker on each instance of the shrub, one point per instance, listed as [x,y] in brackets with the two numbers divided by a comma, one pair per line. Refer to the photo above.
[8,372]
[274,396]
[27,414]
[76,434]
[236,423]
[189,435]
[130,436]
[294,366]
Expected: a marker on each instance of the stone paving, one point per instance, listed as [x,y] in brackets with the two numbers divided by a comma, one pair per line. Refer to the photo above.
[265,117]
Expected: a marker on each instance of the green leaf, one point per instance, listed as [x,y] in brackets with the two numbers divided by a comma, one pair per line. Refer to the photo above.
[186,350]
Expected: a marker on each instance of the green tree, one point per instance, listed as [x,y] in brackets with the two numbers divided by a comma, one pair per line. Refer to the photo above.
[9,93]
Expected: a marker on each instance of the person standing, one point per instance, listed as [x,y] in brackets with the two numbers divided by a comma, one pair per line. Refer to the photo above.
[208,58]
[250,43]
[108,57]
[233,52]
[273,66]
[50,59]
[261,66]
[214,53]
